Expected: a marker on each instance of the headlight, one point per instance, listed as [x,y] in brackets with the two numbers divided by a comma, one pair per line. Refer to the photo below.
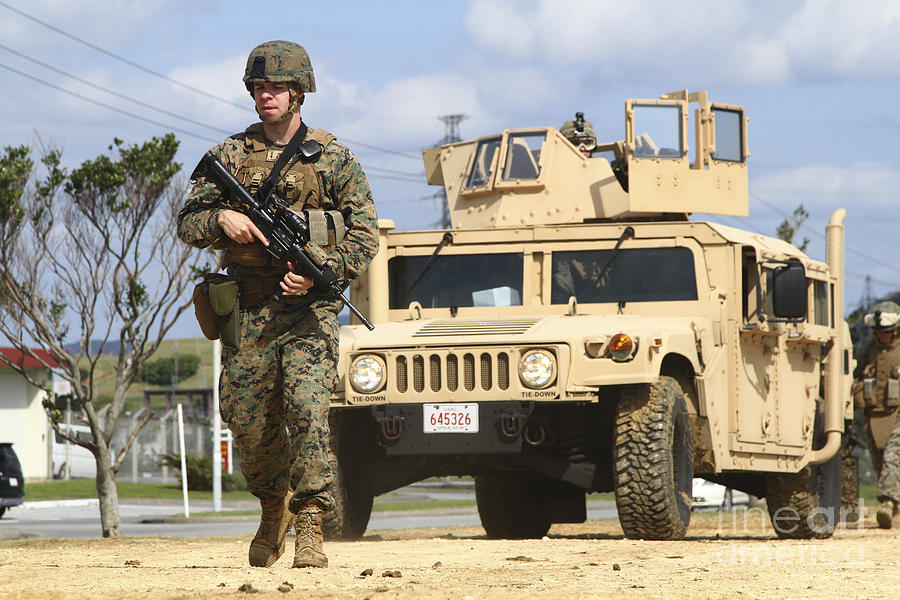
[621,347]
[367,374]
[537,369]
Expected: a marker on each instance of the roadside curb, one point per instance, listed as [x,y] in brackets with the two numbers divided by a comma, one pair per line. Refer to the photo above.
[204,519]
[38,504]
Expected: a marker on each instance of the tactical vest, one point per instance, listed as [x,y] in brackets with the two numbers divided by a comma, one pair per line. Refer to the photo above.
[881,376]
[299,185]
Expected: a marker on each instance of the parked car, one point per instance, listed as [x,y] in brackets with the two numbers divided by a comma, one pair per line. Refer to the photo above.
[80,460]
[12,484]
[707,494]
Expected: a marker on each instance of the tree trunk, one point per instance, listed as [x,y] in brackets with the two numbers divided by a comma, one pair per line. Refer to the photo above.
[108,495]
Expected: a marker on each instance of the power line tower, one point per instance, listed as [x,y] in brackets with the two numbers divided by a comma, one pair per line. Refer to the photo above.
[865,299]
[451,135]
[451,128]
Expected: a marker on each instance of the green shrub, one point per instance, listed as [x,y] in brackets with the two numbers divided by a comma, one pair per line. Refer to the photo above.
[162,371]
[199,473]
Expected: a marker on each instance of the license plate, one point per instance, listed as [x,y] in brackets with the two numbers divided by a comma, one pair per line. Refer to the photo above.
[450,418]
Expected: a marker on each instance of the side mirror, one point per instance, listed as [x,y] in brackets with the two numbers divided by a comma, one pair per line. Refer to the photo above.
[789,297]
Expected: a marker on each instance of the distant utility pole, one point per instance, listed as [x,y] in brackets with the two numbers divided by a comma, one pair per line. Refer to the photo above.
[451,135]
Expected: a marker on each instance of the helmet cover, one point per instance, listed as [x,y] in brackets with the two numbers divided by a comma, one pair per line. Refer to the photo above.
[885,316]
[280,61]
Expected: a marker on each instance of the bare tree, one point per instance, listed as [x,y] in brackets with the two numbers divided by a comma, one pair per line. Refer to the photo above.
[93,252]
[791,225]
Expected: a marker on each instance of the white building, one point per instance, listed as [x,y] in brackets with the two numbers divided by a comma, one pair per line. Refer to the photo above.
[22,418]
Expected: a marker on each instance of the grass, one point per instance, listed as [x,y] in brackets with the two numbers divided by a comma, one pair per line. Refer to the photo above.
[104,375]
[869,493]
[86,488]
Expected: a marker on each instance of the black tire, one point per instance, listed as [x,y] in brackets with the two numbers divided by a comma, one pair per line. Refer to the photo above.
[805,505]
[654,464]
[511,505]
[2,510]
[349,517]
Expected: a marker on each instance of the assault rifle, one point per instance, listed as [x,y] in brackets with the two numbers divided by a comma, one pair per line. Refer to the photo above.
[287,233]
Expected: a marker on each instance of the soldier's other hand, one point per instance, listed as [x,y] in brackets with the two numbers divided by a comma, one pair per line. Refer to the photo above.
[240,228]
[293,283]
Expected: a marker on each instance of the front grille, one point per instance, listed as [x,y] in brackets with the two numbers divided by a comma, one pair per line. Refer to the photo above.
[503,371]
[402,373]
[436,372]
[418,373]
[486,371]
[434,362]
[452,372]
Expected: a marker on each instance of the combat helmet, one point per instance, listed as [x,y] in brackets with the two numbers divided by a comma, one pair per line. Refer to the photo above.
[885,316]
[579,131]
[280,61]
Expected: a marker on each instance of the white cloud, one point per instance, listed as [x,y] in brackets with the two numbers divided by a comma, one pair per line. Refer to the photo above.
[98,22]
[221,79]
[860,187]
[742,41]
[845,38]
[403,111]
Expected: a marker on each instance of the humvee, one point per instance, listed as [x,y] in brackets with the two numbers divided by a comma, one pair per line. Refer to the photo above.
[575,332]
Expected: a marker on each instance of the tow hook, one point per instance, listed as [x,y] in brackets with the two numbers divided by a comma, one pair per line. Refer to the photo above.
[392,427]
[510,425]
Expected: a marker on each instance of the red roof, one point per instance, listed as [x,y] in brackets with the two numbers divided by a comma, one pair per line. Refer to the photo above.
[14,356]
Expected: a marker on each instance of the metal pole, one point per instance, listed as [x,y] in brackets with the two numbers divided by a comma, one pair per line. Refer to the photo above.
[164,444]
[69,431]
[184,483]
[217,429]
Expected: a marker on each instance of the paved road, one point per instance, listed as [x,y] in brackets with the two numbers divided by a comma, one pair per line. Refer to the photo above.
[81,518]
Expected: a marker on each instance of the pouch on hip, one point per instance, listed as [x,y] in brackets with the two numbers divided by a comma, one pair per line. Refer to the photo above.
[217,307]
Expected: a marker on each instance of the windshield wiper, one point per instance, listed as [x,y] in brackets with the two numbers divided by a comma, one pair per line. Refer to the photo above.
[628,232]
[446,239]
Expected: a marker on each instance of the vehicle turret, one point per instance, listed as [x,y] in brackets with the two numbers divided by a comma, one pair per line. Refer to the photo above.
[536,176]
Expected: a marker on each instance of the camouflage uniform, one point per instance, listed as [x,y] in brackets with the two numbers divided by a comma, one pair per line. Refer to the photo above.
[284,371]
[877,390]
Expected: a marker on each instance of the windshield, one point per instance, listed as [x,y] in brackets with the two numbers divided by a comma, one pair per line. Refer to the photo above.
[657,131]
[728,135]
[458,280]
[523,156]
[637,275]
[482,166]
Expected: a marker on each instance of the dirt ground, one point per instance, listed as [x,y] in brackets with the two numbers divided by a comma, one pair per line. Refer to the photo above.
[726,555]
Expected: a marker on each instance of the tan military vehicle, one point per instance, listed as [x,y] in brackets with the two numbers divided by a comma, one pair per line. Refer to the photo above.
[576,332]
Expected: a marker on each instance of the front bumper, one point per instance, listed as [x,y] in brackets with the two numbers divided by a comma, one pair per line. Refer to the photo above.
[6,502]
[401,430]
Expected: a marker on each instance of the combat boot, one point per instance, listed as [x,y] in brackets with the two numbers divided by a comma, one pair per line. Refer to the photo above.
[308,550]
[276,520]
[886,514]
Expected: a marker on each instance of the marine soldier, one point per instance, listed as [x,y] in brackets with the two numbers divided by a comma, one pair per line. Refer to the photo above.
[279,367]
[877,390]
[580,133]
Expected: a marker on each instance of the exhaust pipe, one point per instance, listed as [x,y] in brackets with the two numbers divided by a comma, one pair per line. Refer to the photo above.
[834,405]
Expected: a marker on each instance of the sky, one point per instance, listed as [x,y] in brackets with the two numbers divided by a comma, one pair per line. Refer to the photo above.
[820,80]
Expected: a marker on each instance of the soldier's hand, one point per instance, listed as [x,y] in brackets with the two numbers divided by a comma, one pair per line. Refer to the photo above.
[240,228]
[293,283]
